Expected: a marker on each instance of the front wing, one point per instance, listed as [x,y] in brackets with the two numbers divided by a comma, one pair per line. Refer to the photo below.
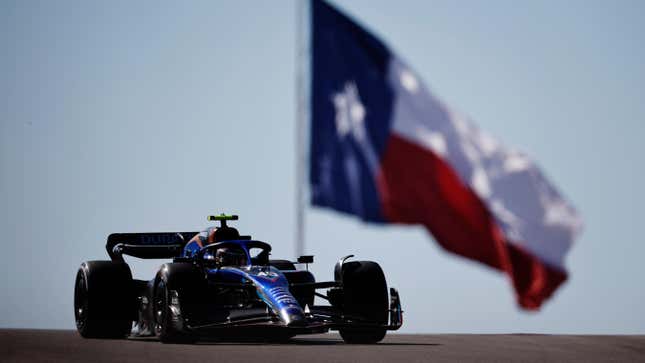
[319,319]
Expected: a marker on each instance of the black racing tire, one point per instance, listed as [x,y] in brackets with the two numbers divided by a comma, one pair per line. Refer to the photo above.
[304,294]
[365,297]
[104,301]
[284,265]
[185,280]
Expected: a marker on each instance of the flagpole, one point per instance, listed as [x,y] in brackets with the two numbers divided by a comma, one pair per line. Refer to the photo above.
[299,242]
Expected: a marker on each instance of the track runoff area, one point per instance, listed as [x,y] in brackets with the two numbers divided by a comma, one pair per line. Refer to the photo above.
[18,345]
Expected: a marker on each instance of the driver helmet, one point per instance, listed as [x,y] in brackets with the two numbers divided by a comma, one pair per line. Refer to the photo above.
[230,257]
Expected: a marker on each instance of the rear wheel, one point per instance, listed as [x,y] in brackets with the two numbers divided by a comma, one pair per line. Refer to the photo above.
[104,303]
[365,301]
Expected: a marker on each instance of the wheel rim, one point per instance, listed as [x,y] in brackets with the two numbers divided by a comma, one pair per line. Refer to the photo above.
[159,306]
[80,300]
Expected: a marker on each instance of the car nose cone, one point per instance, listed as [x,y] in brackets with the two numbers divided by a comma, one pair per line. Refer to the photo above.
[293,317]
[296,320]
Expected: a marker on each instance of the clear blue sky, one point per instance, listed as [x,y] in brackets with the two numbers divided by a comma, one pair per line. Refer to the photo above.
[127,116]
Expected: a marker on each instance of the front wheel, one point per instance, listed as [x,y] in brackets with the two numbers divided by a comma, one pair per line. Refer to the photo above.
[365,301]
[362,336]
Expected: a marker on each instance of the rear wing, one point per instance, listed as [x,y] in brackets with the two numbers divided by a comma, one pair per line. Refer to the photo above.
[147,245]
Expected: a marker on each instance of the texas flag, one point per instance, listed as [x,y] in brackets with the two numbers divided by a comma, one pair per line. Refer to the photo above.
[385,149]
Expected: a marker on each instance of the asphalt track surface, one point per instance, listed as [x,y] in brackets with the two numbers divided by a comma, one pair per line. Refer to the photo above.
[67,346]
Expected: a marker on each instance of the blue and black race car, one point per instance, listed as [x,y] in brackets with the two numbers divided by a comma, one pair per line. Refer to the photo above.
[225,285]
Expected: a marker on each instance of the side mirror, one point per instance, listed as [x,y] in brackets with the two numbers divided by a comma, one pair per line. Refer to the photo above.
[306,259]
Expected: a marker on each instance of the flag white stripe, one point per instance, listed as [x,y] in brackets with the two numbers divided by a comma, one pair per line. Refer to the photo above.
[525,205]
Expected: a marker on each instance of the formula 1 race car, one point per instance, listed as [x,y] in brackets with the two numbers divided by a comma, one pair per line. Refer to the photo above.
[227,288]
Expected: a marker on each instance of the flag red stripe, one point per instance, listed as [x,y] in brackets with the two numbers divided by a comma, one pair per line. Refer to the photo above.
[533,280]
[417,186]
